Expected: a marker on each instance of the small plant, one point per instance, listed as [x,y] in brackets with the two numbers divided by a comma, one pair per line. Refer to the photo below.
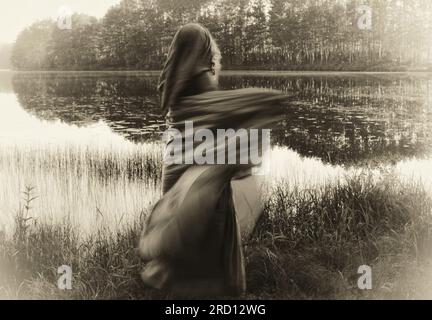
[23,217]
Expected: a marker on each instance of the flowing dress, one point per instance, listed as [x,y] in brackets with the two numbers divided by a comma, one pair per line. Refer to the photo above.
[192,239]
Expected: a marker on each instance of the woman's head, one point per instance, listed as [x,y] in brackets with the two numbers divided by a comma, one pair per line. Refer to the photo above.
[193,52]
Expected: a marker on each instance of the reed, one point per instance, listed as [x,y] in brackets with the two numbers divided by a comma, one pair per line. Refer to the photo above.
[85,207]
[308,244]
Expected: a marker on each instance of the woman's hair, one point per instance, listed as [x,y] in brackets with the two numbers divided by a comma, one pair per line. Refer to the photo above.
[193,52]
[216,56]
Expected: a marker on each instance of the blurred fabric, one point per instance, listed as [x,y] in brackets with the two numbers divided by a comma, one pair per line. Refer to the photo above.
[192,241]
[192,238]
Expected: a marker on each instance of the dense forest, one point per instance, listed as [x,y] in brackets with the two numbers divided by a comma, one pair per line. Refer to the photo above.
[252,34]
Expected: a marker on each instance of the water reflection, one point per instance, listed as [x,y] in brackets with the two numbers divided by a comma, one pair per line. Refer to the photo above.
[83,175]
[340,118]
[353,117]
[129,104]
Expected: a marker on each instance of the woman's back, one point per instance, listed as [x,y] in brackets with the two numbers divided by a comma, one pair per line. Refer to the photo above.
[192,239]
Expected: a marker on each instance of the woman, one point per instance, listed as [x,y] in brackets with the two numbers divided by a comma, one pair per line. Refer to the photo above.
[192,242]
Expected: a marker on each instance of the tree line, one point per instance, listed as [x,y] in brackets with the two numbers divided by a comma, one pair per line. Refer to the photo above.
[252,34]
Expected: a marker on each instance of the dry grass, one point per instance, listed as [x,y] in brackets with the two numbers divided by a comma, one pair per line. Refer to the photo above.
[80,185]
[87,204]
[308,245]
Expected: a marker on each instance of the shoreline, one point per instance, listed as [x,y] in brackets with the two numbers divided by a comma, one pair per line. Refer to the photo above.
[223,72]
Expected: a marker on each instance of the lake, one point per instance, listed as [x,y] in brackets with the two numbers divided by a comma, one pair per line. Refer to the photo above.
[88,142]
[338,117]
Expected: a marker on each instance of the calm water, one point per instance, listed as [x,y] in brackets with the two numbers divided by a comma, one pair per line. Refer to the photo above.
[84,141]
[338,117]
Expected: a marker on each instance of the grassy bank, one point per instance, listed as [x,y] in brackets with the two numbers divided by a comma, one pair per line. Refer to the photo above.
[308,244]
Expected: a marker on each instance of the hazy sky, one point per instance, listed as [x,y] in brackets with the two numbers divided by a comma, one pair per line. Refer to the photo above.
[15,15]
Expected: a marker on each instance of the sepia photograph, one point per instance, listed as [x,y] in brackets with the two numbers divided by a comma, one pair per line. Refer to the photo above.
[245,151]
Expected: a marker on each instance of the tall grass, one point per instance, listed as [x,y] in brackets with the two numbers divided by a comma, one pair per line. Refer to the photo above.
[84,196]
[101,179]
[81,185]
[308,244]
[83,175]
